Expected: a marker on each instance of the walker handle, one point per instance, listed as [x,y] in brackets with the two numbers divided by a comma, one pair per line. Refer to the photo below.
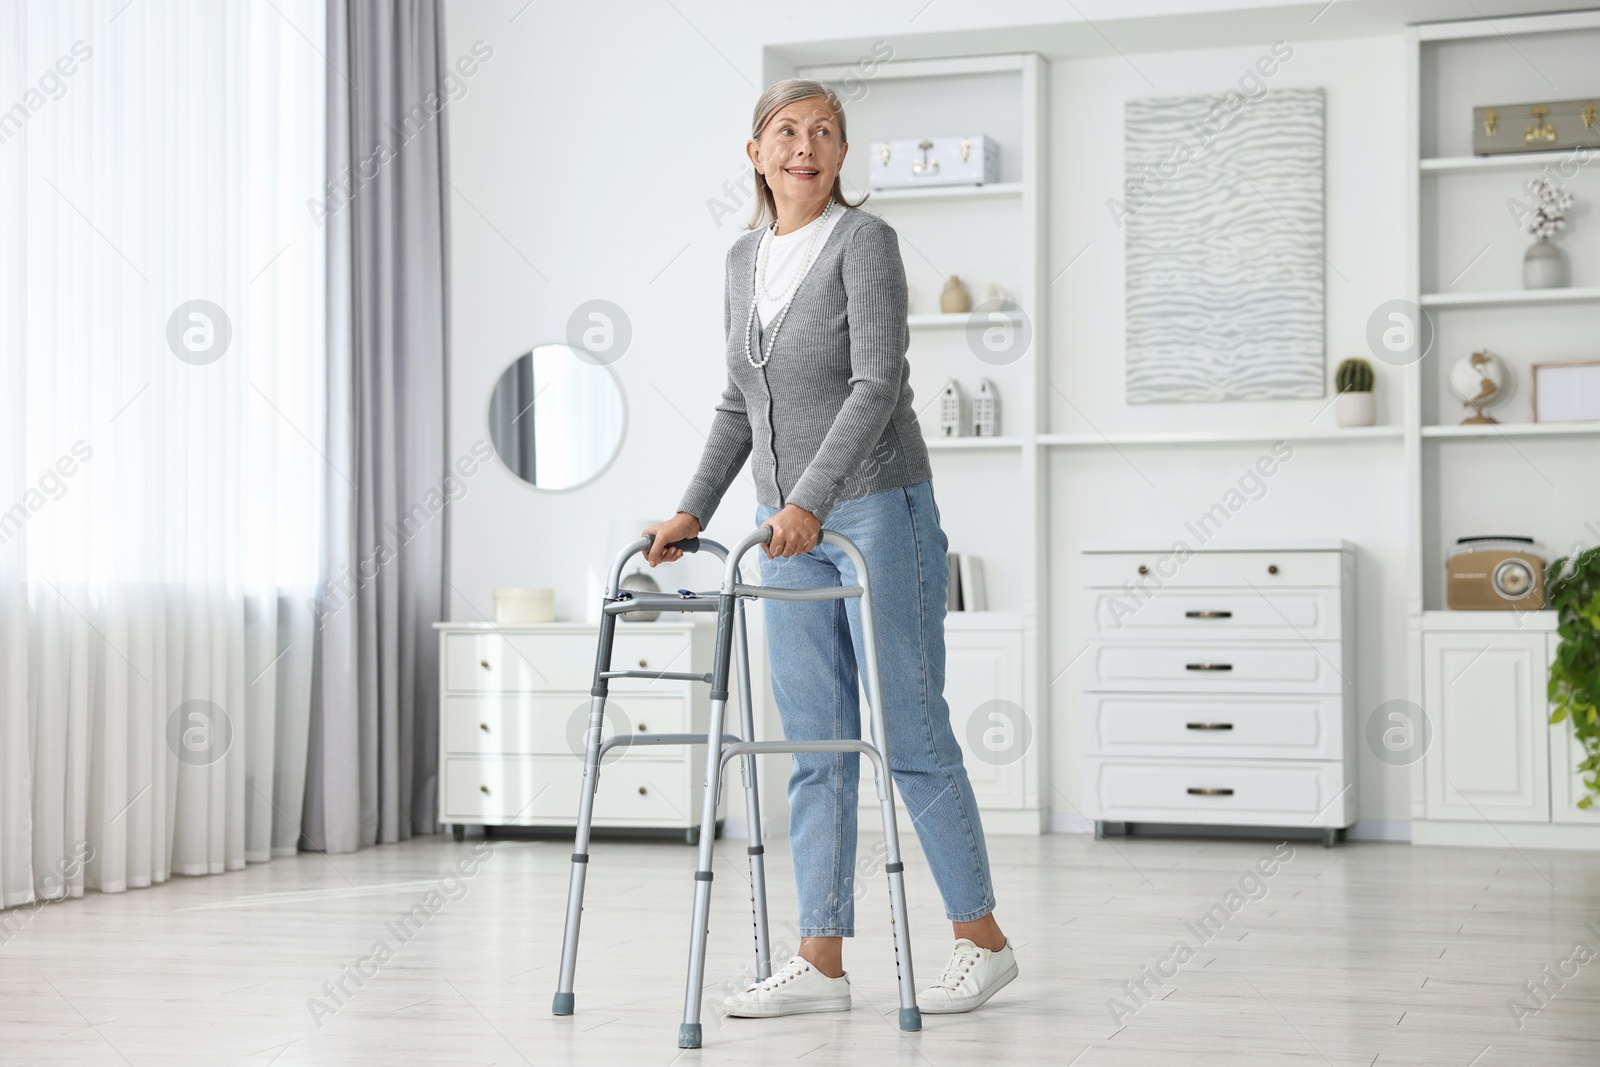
[687,545]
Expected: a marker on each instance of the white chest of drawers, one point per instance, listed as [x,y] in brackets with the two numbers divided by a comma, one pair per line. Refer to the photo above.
[514,705]
[1219,688]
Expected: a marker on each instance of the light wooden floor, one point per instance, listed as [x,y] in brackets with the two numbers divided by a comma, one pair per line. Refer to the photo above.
[1363,955]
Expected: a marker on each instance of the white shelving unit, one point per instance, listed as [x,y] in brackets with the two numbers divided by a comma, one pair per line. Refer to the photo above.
[1480,675]
[997,500]
[1531,161]
[1310,433]
[1511,298]
[996,191]
[951,444]
[960,320]
[1516,429]
[1005,97]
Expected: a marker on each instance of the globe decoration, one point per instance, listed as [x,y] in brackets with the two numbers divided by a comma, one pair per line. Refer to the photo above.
[1481,380]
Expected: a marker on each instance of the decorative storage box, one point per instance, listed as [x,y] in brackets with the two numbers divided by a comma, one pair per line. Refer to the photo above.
[1536,127]
[972,159]
[524,605]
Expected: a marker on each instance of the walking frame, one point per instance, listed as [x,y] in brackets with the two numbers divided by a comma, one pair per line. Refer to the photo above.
[721,746]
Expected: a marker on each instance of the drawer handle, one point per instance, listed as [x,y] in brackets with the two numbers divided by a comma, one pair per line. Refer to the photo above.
[1197,791]
[1209,666]
[484,788]
[484,727]
[1143,569]
[643,727]
[642,663]
[484,664]
[1208,614]
[643,790]
[1211,726]
[1272,568]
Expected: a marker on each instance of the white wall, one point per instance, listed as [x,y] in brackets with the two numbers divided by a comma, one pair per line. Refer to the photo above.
[585,152]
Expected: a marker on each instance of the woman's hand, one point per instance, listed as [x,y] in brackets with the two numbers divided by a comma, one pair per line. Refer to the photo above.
[678,528]
[795,531]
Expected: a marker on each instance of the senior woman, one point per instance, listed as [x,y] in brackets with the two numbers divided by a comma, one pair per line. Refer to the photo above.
[818,393]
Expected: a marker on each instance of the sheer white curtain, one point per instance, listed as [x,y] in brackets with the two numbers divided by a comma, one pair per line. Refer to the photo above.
[161,422]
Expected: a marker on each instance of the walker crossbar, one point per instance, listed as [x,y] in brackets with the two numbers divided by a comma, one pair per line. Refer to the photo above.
[761,748]
[660,602]
[677,676]
[732,643]
[767,592]
[636,740]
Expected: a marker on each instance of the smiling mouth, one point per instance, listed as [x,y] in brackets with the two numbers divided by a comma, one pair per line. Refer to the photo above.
[802,172]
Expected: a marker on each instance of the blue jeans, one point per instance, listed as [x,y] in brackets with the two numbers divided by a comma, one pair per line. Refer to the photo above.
[814,648]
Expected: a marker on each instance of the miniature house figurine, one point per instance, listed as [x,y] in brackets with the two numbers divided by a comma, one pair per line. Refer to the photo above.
[985,410]
[950,410]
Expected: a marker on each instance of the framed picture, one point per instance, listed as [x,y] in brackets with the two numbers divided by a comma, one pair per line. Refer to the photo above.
[1566,392]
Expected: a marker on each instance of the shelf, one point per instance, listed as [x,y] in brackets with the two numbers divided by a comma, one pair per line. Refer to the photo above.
[959,319]
[1510,298]
[1220,543]
[1353,433]
[953,444]
[983,620]
[1515,429]
[1487,164]
[1499,622]
[996,191]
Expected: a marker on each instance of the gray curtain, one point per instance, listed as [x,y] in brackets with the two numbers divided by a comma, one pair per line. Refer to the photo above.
[373,762]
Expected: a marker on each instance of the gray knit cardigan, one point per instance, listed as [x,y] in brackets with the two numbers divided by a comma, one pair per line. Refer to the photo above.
[829,418]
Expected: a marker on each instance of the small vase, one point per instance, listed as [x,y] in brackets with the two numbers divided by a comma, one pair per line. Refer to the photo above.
[1544,266]
[1356,409]
[954,300]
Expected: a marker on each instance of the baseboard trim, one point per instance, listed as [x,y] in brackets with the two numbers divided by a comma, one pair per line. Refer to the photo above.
[1070,822]
[1029,821]
[1505,835]
[1380,830]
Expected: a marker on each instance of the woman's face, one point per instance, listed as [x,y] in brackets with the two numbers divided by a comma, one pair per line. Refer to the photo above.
[800,152]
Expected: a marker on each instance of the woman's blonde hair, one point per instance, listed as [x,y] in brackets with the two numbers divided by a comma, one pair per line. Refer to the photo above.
[779,96]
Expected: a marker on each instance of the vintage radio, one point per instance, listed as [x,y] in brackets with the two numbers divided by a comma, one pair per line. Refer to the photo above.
[957,160]
[1495,574]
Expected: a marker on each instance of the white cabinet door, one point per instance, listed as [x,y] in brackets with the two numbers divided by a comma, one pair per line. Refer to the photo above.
[1490,756]
[983,673]
[1566,784]
[983,680]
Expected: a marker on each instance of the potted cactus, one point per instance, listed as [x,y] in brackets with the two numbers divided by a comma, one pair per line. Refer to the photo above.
[1354,406]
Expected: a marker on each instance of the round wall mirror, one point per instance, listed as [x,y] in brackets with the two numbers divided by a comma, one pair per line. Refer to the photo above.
[556,417]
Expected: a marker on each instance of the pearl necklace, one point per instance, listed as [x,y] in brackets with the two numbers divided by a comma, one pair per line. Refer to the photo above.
[793,289]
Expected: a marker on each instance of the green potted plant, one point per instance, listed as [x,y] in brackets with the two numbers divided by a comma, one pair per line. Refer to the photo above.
[1573,589]
[1355,406]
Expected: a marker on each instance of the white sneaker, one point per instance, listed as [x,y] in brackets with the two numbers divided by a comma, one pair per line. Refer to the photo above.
[794,989]
[972,976]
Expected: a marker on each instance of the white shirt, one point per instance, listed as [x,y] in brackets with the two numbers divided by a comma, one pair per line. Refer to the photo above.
[783,260]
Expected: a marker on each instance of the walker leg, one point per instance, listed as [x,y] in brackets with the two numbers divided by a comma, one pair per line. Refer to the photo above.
[563,1004]
[700,923]
[752,792]
[910,1016]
